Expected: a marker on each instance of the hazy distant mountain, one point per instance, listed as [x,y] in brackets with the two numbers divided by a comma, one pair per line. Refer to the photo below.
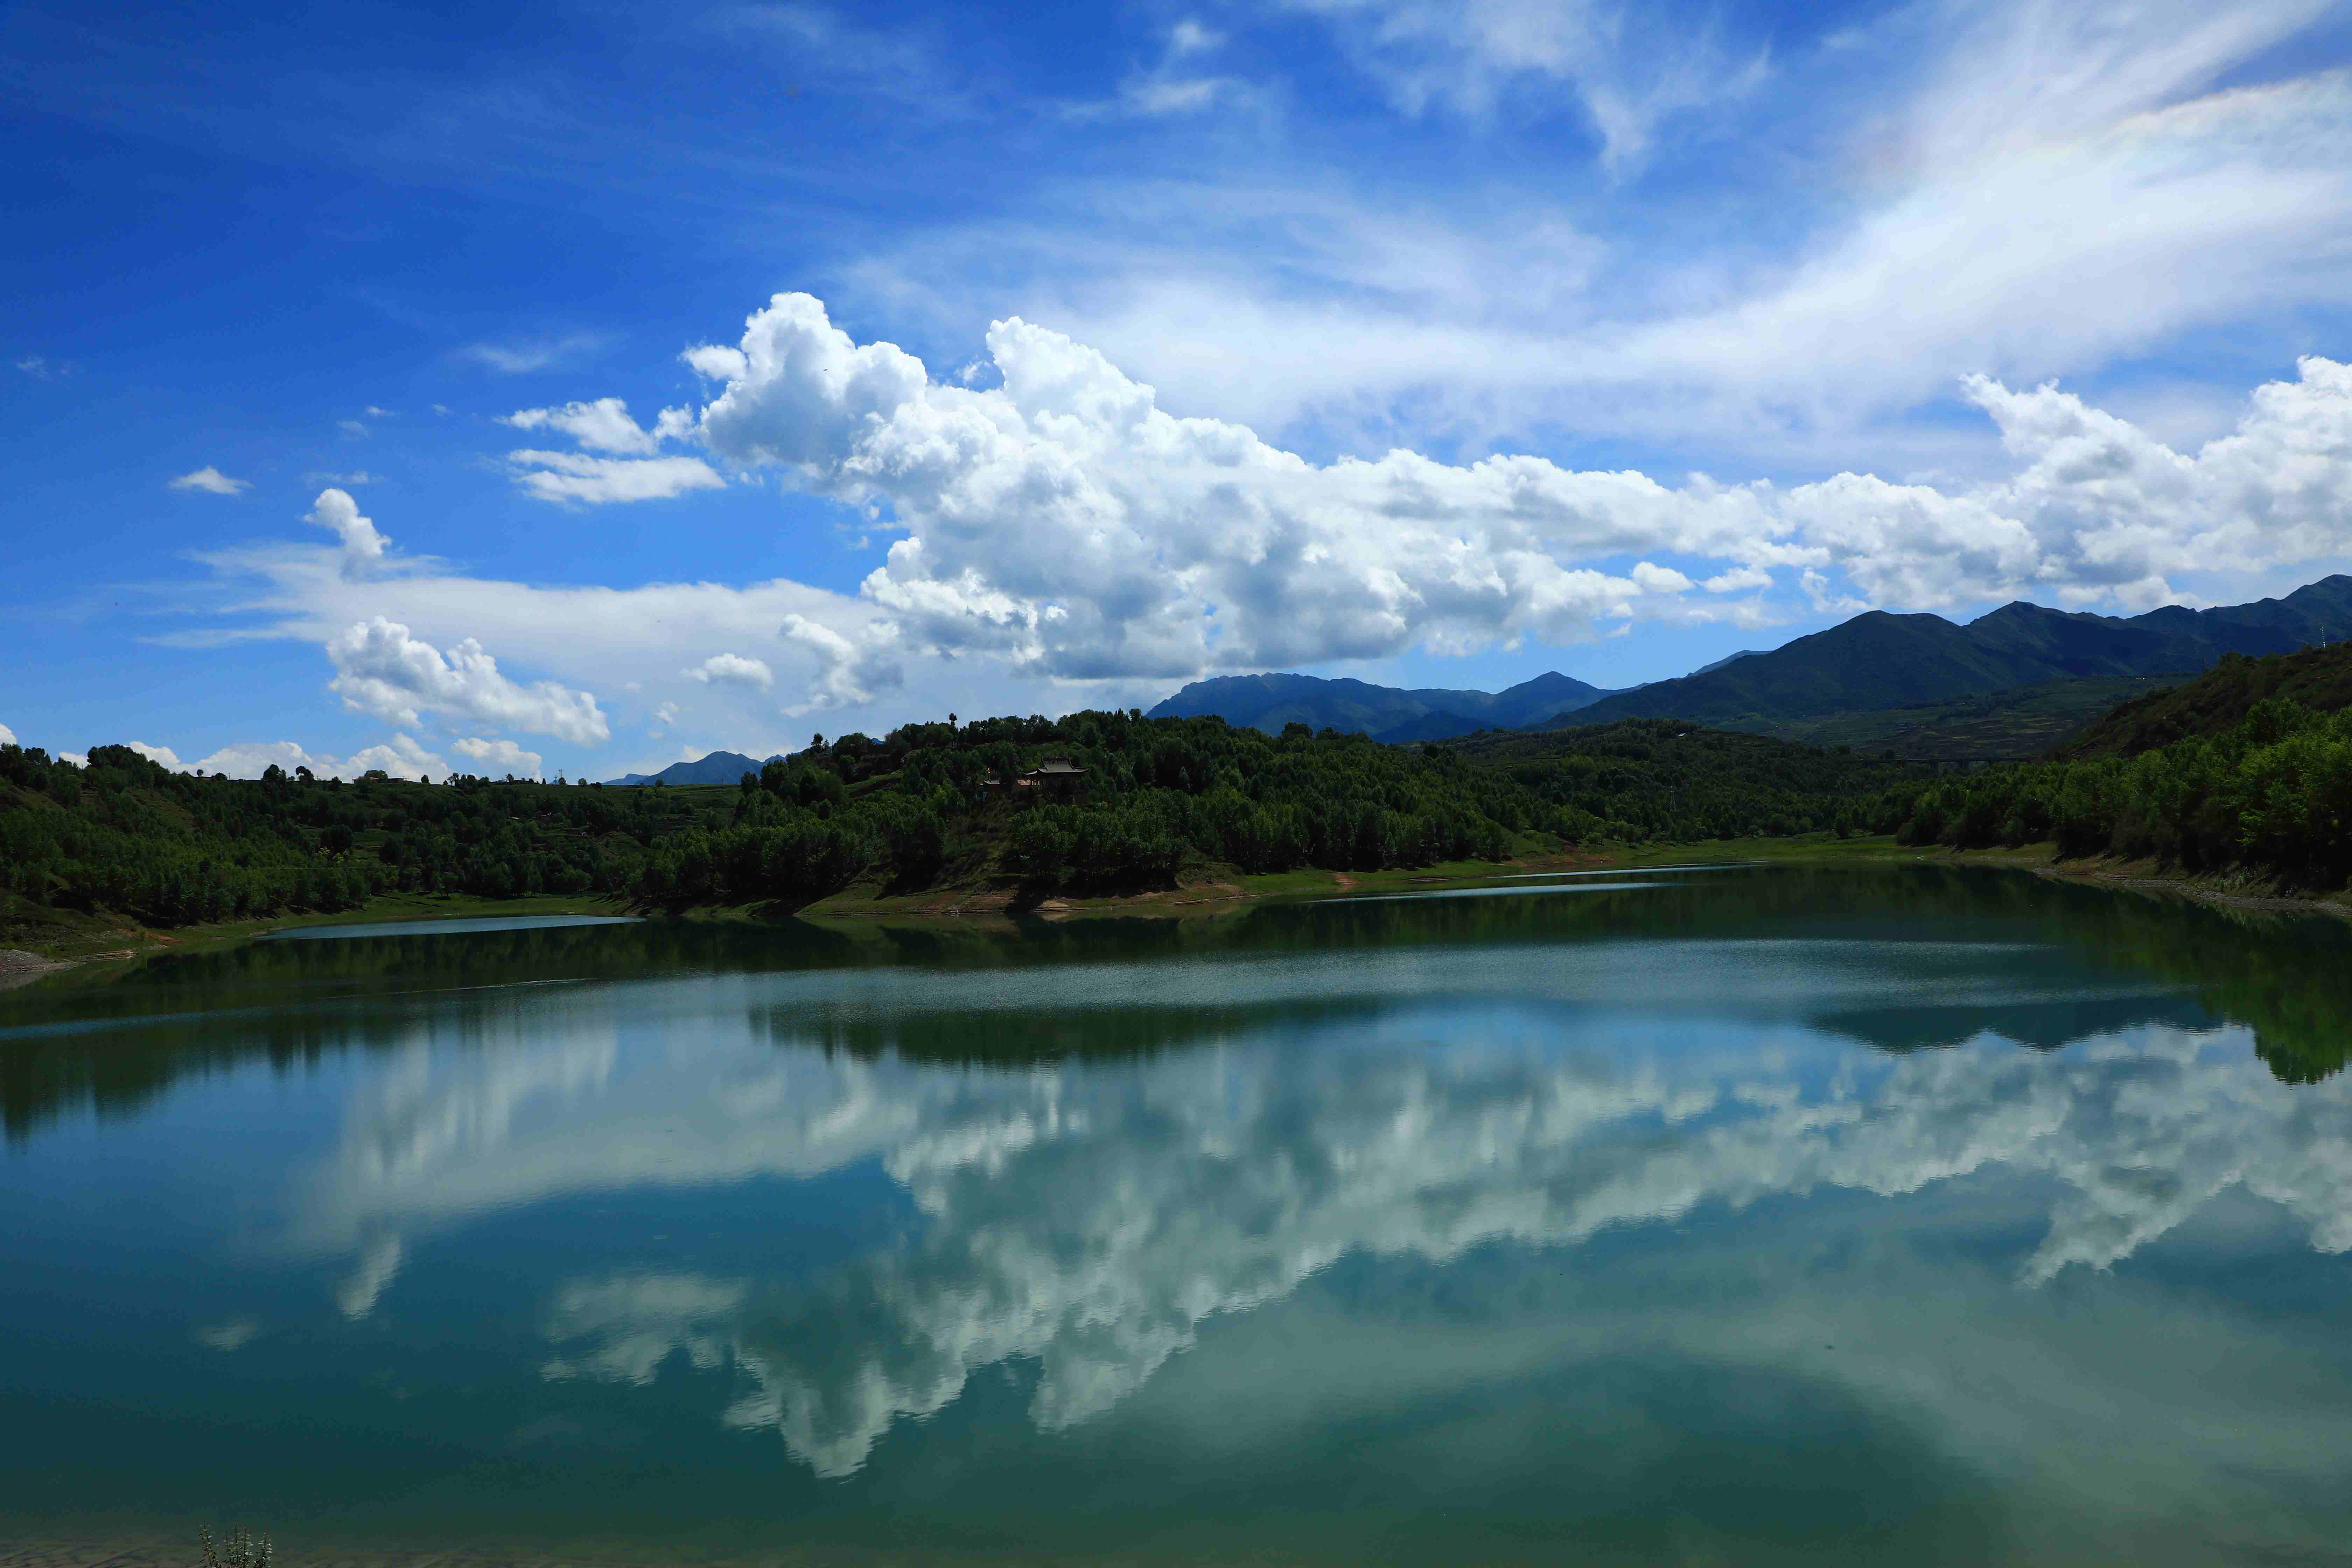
[716,768]
[1879,660]
[1267,703]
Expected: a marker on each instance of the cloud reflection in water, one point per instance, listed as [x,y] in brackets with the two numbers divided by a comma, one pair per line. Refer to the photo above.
[1089,1216]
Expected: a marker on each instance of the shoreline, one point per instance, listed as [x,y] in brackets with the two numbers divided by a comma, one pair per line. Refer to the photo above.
[1213,894]
[18,967]
[2200,891]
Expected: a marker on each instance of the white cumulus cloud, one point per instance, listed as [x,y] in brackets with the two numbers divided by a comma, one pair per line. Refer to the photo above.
[211,482]
[851,667]
[1069,542]
[251,759]
[337,512]
[499,758]
[382,670]
[1062,521]
[402,756]
[621,460]
[732,669]
[7,736]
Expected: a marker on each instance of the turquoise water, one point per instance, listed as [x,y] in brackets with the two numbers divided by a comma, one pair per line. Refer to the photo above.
[1758,1215]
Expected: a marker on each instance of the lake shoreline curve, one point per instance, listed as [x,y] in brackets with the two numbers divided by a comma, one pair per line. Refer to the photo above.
[1219,891]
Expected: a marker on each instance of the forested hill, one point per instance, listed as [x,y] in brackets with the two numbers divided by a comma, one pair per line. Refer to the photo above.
[916,810]
[1879,660]
[1162,795]
[2318,678]
[1642,779]
[2270,796]
[123,835]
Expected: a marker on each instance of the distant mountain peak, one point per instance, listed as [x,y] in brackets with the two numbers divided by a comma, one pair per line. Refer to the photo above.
[1728,658]
[1270,700]
[710,768]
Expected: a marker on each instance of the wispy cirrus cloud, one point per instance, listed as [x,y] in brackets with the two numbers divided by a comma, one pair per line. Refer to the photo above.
[527,356]
[1630,69]
[2026,189]
[595,480]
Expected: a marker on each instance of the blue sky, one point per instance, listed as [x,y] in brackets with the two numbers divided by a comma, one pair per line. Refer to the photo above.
[1095,349]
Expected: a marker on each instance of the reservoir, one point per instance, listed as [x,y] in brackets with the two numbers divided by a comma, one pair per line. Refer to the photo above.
[1762,1214]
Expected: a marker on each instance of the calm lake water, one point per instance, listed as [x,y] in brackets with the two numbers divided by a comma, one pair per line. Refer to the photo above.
[1761,1215]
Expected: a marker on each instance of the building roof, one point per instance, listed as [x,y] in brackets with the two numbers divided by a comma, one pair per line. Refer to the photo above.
[1055,766]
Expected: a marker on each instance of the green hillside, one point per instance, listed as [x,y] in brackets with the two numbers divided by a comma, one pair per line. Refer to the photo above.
[1983,726]
[1161,796]
[923,809]
[1661,779]
[2269,796]
[125,836]
[2318,678]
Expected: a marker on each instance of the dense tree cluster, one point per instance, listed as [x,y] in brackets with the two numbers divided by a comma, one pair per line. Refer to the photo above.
[1156,795]
[927,805]
[1664,780]
[1159,794]
[2271,794]
[2319,679]
[125,834]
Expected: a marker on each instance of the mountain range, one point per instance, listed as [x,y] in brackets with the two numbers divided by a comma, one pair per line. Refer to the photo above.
[2011,682]
[1895,671]
[1268,702]
[716,768]
[1878,660]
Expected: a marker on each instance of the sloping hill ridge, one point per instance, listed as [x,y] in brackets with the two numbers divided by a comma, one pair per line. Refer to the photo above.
[2319,679]
[712,768]
[1880,661]
[1267,703]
